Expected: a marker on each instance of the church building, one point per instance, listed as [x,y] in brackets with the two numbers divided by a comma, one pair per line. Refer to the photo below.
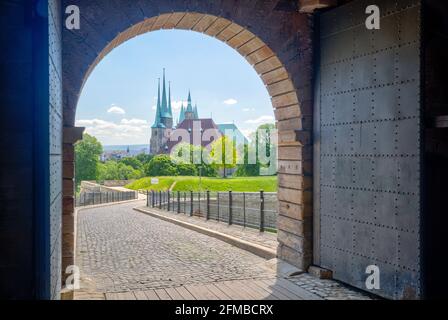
[201,131]
[163,123]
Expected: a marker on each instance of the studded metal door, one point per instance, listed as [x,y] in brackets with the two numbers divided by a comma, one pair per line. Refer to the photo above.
[367,147]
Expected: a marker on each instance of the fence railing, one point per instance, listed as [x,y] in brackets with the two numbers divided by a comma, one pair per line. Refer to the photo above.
[248,209]
[88,198]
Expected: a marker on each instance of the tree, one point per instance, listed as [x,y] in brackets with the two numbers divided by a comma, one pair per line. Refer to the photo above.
[196,157]
[87,154]
[248,169]
[161,165]
[186,169]
[113,170]
[266,138]
[262,138]
[224,154]
[133,162]
[144,158]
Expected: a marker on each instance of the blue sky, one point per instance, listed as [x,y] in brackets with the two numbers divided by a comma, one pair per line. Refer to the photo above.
[117,104]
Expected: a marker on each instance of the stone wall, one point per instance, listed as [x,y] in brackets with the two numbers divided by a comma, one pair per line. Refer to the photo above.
[116,183]
[90,186]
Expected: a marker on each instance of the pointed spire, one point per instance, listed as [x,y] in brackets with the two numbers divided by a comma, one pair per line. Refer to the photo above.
[170,110]
[158,94]
[182,113]
[189,106]
[158,120]
[164,100]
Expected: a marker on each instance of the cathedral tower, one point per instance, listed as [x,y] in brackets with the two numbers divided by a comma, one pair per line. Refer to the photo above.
[163,122]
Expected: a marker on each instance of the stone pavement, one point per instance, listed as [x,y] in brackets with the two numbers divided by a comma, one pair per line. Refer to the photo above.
[122,253]
[265,239]
[120,249]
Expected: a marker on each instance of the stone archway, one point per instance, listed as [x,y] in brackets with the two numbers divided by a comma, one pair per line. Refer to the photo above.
[274,39]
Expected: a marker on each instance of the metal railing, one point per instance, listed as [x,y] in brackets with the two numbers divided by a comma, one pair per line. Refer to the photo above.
[89,198]
[248,209]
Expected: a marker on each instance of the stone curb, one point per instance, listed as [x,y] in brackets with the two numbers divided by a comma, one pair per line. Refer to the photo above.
[256,249]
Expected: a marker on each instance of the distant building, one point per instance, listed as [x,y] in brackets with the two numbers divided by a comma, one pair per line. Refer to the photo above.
[114,155]
[232,129]
[200,131]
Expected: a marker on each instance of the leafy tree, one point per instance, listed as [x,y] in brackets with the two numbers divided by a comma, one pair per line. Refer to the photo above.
[87,154]
[248,169]
[161,165]
[144,158]
[195,156]
[224,154]
[268,157]
[113,170]
[263,137]
[133,162]
[186,169]
[207,170]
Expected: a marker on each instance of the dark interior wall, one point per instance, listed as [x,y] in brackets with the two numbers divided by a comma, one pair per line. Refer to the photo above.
[16,145]
[436,140]
[29,234]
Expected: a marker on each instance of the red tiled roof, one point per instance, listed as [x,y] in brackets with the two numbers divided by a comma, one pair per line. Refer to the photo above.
[189,125]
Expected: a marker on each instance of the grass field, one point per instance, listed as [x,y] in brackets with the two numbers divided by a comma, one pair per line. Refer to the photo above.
[248,184]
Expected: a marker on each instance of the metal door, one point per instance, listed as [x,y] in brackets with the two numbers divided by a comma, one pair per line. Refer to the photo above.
[367,146]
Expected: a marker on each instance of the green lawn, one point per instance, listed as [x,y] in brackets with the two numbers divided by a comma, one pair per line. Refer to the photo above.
[248,184]
[145,183]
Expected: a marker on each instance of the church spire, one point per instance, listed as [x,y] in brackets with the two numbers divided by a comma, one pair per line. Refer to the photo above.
[158,120]
[164,100]
[170,110]
[182,112]
[189,106]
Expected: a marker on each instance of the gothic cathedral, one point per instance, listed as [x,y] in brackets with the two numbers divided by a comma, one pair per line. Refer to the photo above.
[163,123]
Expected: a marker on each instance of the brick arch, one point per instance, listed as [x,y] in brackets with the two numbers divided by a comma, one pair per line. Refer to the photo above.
[256,52]
[275,41]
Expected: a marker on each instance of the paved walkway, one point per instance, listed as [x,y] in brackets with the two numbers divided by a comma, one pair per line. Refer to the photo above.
[125,254]
[265,239]
[120,249]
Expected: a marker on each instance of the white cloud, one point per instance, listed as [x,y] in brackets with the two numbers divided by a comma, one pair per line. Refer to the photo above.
[133,129]
[262,119]
[134,121]
[230,101]
[248,109]
[116,110]
[247,132]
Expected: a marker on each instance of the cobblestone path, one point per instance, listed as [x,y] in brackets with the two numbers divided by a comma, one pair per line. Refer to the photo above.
[119,249]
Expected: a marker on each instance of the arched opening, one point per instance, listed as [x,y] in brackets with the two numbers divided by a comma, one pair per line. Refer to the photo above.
[257,53]
[128,76]
[294,155]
